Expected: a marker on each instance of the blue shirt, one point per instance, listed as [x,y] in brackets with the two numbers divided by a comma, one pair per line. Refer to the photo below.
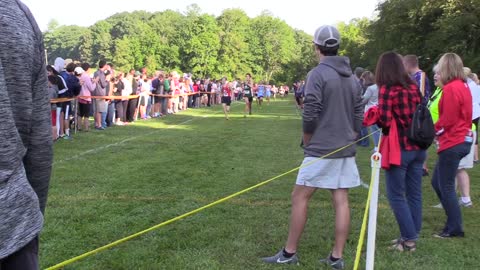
[417,78]
[261,90]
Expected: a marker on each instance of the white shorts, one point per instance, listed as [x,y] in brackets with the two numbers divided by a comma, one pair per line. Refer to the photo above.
[467,161]
[329,173]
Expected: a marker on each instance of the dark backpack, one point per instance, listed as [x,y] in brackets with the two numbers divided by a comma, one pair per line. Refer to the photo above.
[422,131]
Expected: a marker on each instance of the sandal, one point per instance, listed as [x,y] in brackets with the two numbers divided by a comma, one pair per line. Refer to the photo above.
[401,246]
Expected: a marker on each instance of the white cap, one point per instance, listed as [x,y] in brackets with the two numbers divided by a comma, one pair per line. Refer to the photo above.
[79,70]
[327,36]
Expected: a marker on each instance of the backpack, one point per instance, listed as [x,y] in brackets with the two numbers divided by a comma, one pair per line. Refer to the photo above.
[421,131]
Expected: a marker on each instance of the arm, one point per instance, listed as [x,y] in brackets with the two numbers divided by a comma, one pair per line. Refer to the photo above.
[447,107]
[358,111]
[367,96]
[90,85]
[384,108]
[38,159]
[313,105]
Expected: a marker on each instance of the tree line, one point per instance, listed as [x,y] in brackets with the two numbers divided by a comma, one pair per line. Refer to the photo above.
[233,44]
[230,45]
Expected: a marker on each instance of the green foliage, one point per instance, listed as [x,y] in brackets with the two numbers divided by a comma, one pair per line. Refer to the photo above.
[426,28]
[230,45]
[63,40]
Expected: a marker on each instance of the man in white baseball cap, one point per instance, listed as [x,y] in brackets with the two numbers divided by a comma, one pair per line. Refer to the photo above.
[332,118]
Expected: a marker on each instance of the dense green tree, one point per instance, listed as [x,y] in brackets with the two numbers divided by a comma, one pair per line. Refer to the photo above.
[233,54]
[272,44]
[63,41]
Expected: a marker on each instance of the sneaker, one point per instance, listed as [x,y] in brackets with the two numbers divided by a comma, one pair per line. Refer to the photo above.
[465,204]
[438,206]
[445,235]
[66,137]
[99,128]
[340,264]
[279,258]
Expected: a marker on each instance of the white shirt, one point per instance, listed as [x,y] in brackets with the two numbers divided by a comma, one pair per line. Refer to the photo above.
[475,90]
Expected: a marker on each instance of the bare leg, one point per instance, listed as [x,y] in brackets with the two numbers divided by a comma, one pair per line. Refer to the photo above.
[98,120]
[342,220]
[86,124]
[463,181]
[475,152]
[225,110]
[62,123]
[300,197]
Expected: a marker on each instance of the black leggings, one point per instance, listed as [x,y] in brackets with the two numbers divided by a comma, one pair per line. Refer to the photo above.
[121,107]
[132,106]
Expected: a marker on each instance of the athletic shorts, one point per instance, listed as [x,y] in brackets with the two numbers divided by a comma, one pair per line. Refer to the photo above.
[157,100]
[100,106]
[467,161]
[66,107]
[54,118]
[329,173]
[269,94]
[84,109]
[250,99]
[143,100]
[260,96]
[227,100]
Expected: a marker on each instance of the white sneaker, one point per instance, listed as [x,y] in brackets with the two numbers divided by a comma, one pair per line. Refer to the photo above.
[439,206]
[465,204]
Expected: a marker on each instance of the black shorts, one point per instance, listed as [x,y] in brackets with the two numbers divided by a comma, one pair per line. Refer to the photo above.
[250,98]
[84,109]
[227,100]
[66,107]
[157,100]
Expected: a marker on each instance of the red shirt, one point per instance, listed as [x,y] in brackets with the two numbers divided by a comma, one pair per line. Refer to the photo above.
[227,92]
[398,104]
[455,109]
[195,88]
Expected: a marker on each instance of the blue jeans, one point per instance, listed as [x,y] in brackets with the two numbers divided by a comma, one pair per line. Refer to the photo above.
[109,117]
[104,119]
[365,142]
[376,135]
[404,193]
[443,182]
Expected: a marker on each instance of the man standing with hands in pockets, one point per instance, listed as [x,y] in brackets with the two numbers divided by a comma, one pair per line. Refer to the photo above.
[332,118]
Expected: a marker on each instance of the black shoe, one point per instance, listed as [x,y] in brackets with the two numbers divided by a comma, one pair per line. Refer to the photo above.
[444,235]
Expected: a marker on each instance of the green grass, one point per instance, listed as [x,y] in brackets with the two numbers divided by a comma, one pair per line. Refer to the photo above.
[156,170]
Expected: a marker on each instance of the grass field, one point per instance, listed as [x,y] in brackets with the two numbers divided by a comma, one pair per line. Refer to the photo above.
[107,185]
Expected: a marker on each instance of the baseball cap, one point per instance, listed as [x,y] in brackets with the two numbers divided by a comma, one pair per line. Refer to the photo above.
[327,36]
[79,70]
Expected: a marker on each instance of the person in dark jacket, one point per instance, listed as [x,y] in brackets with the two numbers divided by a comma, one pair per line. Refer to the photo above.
[25,129]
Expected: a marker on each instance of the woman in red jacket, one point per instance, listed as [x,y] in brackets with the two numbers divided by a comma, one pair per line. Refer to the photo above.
[397,100]
[455,138]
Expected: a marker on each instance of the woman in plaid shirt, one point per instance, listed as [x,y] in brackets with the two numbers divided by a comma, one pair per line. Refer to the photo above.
[397,100]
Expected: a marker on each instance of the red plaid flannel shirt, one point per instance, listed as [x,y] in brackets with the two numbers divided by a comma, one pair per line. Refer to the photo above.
[398,104]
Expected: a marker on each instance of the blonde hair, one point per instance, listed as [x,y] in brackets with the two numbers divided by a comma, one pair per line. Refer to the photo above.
[368,78]
[450,66]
